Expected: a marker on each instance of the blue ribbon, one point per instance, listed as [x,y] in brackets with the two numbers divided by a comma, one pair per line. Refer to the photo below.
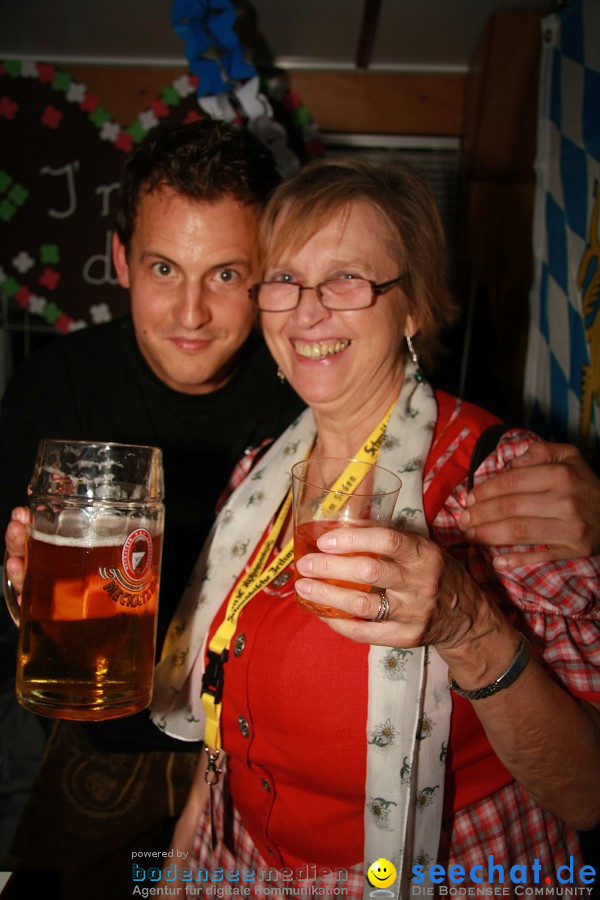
[203,24]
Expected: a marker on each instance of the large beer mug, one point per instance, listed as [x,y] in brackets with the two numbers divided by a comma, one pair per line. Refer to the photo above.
[87,620]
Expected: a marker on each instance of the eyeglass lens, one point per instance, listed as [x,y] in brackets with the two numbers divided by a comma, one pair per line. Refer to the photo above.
[342,293]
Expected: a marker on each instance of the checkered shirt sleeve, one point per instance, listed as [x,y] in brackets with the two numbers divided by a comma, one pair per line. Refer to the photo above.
[556,604]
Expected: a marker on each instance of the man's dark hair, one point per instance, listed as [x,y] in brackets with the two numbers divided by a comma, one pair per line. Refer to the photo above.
[205,160]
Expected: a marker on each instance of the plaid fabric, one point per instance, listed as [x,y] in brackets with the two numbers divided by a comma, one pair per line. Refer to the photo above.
[555,604]
[241,470]
[515,831]
[562,383]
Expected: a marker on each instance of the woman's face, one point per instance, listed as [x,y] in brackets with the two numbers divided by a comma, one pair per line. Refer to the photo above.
[341,360]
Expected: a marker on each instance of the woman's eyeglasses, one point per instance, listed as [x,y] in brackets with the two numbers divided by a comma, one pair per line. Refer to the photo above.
[338,294]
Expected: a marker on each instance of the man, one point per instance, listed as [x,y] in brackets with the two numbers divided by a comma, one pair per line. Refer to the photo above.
[183,373]
[186,373]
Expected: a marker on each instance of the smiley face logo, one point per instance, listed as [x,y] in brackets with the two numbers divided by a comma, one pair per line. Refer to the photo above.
[381,873]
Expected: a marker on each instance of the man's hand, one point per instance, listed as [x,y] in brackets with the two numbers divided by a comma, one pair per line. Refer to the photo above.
[550,497]
[15,546]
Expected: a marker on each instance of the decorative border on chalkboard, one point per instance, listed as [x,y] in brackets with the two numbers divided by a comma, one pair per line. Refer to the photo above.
[123,137]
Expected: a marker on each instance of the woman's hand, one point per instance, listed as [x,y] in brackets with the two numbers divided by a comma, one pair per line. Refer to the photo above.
[15,535]
[432,598]
[548,496]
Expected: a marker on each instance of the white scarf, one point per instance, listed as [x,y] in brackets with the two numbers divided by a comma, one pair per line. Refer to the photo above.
[409,701]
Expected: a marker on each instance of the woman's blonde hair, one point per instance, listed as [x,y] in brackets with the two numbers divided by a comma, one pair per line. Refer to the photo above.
[413,231]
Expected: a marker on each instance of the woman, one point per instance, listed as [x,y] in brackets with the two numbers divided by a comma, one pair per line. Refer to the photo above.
[354,268]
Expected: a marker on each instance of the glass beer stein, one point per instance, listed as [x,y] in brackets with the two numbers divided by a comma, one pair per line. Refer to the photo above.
[87,619]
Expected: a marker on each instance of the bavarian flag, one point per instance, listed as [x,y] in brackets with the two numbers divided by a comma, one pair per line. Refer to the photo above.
[562,379]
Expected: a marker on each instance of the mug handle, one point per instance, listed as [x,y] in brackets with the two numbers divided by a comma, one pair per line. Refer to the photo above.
[10,595]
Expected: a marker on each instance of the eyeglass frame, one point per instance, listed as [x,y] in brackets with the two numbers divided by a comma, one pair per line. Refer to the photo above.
[376,290]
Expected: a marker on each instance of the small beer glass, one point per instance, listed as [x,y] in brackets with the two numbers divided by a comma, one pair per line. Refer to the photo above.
[87,619]
[366,496]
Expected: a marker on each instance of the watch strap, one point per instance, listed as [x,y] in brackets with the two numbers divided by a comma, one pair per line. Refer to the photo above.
[516,667]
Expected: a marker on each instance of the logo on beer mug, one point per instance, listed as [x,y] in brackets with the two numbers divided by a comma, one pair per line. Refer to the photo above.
[134,583]
[136,557]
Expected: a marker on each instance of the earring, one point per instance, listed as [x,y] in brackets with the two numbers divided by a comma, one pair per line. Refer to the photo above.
[415,358]
[280,375]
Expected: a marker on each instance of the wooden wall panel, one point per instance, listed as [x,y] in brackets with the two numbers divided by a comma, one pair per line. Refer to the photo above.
[365,102]
[381,103]
[497,206]
[501,98]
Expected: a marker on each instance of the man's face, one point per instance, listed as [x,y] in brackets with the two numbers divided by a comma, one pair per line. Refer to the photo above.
[189,268]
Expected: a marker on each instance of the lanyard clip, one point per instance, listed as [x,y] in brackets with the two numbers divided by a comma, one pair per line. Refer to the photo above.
[211,775]
[212,680]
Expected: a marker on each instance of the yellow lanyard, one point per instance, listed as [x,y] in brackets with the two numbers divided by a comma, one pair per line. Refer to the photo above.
[253,581]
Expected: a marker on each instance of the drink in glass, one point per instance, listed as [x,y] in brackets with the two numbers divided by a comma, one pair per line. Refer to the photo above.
[323,500]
